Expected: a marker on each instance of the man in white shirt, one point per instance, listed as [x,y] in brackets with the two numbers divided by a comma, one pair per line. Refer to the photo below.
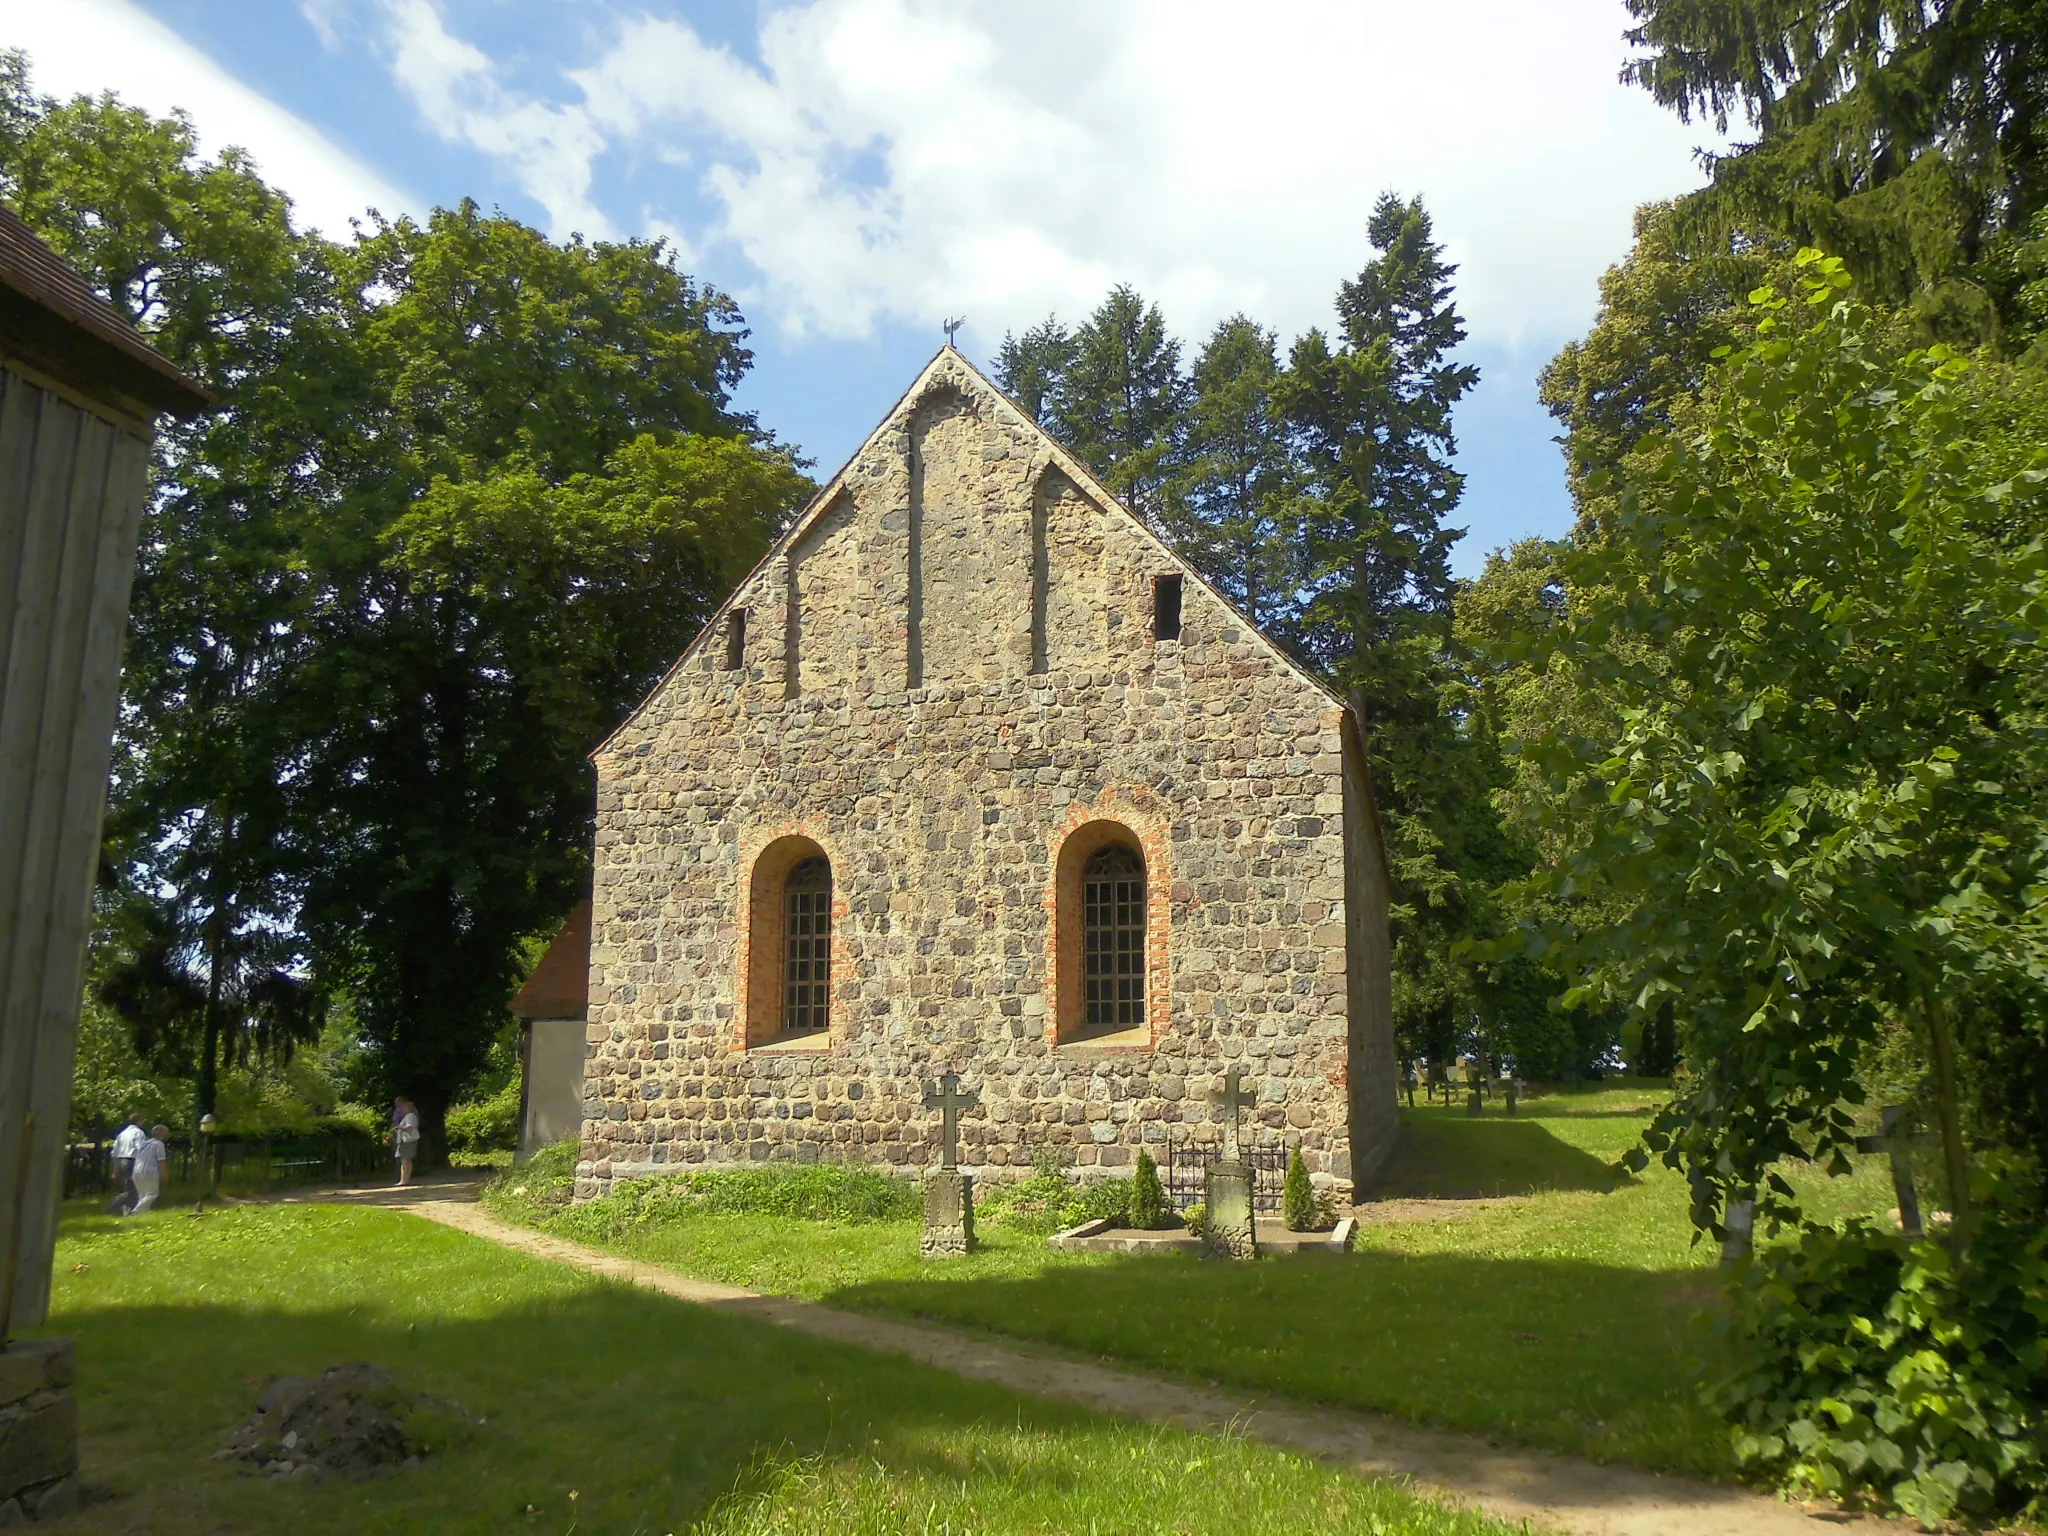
[150,1158]
[126,1145]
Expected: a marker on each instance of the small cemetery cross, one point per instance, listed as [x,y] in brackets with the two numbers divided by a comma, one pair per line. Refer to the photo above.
[1229,1101]
[1231,1228]
[1900,1146]
[947,1098]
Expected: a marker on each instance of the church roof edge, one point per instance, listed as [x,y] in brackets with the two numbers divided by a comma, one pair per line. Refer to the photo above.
[1068,464]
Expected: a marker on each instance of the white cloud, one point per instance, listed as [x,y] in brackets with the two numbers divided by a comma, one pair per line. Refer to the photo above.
[90,46]
[892,160]
[548,149]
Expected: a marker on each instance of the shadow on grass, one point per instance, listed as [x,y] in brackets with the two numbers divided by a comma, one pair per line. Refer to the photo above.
[1445,1154]
[609,1409]
[1587,1359]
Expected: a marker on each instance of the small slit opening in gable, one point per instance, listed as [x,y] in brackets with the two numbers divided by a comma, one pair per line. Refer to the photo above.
[1166,607]
[735,639]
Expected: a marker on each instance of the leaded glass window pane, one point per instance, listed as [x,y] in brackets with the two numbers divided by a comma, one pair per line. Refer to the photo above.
[1113,921]
[807,947]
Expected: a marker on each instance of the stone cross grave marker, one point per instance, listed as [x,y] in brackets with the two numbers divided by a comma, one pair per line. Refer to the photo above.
[1900,1146]
[948,1193]
[1229,1102]
[1230,1227]
[947,1098]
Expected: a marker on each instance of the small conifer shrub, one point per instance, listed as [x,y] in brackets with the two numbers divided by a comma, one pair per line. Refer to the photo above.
[1150,1209]
[1299,1207]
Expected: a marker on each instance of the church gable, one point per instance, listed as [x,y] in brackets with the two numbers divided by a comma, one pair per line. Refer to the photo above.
[972,775]
[960,546]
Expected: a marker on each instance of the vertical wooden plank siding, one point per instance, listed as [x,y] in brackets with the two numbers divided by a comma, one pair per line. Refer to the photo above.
[71,489]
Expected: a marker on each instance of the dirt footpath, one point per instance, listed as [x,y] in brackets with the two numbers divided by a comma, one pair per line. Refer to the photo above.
[1551,1493]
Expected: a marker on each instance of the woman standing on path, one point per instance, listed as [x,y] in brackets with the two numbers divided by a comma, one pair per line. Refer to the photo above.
[147,1170]
[405,1136]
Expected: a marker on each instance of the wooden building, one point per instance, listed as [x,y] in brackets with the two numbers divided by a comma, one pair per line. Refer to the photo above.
[79,396]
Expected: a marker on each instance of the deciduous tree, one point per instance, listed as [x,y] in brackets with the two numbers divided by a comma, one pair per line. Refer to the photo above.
[1821,807]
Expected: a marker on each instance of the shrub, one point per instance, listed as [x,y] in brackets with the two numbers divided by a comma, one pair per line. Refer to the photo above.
[802,1192]
[1150,1209]
[1049,1202]
[1038,1206]
[1195,1218]
[1299,1208]
[1866,1364]
[538,1187]
[486,1125]
[1109,1199]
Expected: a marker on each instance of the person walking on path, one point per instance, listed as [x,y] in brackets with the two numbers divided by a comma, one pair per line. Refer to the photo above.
[405,1137]
[126,1144]
[148,1172]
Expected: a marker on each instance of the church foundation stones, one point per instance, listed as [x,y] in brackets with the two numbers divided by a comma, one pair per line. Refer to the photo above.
[38,1431]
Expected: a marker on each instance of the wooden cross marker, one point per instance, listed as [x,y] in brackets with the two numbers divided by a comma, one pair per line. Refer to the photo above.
[1228,1102]
[947,1098]
[1901,1147]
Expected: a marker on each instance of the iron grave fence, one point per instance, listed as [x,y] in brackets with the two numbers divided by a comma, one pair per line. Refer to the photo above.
[1187,1174]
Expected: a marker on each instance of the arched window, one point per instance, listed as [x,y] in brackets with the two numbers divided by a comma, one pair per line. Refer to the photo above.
[1104,957]
[807,948]
[1113,923]
[787,978]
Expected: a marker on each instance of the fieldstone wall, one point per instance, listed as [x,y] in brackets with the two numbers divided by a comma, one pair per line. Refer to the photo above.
[948,672]
[38,1431]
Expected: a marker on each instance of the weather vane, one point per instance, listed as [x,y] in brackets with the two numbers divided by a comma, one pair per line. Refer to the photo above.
[952,328]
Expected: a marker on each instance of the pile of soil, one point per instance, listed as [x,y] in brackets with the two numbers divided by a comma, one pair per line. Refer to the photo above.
[353,1421]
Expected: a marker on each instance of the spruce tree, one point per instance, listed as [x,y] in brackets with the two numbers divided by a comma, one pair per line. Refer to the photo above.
[1120,401]
[1032,368]
[1908,136]
[1374,413]
[1238,475]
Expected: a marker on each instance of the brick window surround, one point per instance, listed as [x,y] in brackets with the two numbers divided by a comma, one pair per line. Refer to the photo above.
[764,953]
[1066,965]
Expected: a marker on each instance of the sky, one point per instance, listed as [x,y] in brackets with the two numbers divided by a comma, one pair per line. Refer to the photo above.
[855,172]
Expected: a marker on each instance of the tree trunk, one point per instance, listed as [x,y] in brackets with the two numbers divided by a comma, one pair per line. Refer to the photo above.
[433,1150]
[209,1050]
[1948,1103]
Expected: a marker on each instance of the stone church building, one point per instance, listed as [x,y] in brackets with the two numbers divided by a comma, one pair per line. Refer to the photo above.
[972,774]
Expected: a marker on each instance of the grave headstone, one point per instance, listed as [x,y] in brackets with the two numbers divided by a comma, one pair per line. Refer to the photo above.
[1900,1147]
[1230,1227]
[948,1193]
[1472,1087]
[1514,1093]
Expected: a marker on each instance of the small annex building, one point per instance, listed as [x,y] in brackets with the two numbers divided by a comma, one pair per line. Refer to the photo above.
[552,1009]
[972,774]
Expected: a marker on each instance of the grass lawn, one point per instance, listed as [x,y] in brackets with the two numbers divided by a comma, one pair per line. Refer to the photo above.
[1565,1319]
[610,1410]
